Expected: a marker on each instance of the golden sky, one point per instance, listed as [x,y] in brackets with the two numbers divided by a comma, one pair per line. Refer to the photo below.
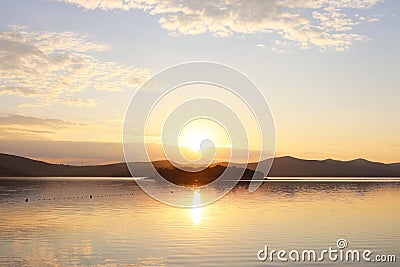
[329,70]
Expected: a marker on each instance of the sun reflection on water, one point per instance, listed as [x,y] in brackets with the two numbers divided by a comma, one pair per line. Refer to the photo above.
[196,211]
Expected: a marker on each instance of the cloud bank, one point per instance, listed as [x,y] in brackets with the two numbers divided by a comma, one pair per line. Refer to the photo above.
[325,24]
[50,67]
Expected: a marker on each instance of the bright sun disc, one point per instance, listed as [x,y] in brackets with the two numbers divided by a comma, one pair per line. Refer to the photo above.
[196,131]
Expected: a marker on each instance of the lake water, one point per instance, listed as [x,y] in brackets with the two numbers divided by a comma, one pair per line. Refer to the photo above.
[61,225]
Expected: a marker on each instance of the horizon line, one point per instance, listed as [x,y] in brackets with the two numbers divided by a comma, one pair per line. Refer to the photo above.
[216,162]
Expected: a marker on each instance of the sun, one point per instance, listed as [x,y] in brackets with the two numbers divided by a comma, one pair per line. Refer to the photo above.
[200,134]
[192,139]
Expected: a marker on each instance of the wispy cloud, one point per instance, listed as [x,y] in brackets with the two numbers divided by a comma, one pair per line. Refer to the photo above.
[325,24]
[17,126]
[22,120]
[52,66]
[32,127]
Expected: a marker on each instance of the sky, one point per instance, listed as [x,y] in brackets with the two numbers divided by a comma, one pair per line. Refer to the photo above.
[328,68]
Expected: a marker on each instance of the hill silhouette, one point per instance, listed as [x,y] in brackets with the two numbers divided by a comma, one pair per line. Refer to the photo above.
[14,166]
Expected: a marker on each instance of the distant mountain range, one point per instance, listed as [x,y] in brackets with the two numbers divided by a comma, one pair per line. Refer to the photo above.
[16,166]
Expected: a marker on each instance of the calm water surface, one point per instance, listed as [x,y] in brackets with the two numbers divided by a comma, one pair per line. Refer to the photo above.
[121,225]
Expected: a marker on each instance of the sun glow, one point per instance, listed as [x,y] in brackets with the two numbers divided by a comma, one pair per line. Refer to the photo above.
[200,134]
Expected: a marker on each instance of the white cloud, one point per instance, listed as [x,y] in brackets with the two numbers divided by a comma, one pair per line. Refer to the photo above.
[79,102]
[280,46]
[324,24]
[52,66]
